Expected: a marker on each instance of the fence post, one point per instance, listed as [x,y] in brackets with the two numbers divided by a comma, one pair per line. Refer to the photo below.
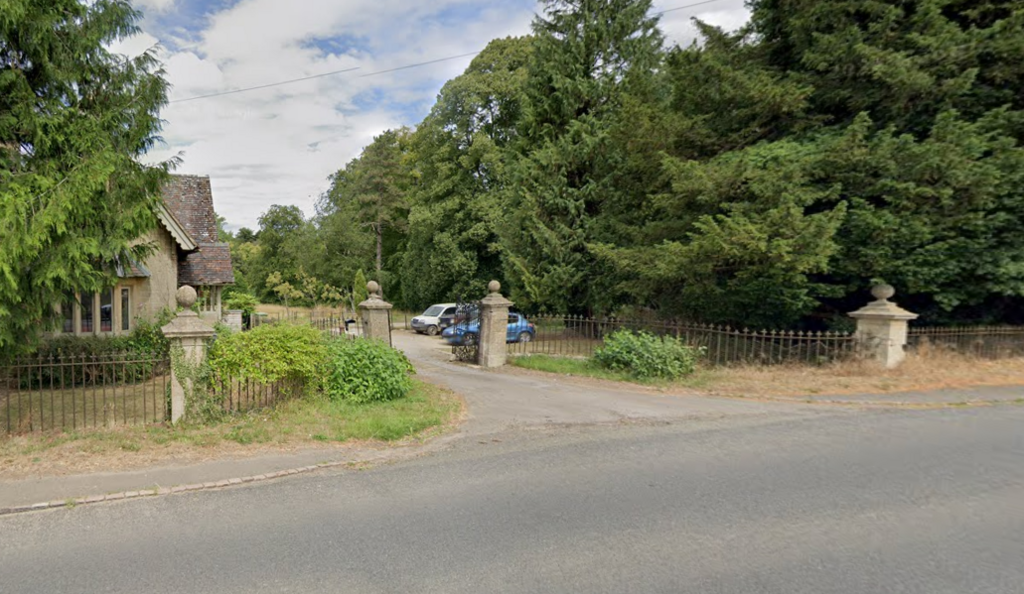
[493,327]
[188,335]
[882,327]
[375,313]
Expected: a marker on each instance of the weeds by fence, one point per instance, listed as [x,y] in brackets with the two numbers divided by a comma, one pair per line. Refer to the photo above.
[572,336]
[241,396]
[47,393]
[986,342]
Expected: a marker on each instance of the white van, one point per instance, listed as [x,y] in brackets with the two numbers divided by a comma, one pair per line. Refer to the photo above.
[429,322]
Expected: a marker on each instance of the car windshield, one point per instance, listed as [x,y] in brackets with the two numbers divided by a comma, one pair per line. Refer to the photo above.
[434,310]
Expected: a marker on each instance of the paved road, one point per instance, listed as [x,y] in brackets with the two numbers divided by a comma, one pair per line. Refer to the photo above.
[783,502]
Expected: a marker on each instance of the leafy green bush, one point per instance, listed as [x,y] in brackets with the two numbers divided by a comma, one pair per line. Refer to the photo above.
[270,353]
[363,370]
[646,356]
[243,301]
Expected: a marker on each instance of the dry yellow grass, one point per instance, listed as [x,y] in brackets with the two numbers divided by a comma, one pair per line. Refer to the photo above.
[928,369]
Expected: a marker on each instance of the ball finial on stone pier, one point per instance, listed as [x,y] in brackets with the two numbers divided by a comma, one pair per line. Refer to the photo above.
[494,286]
[883,292]
[373,289]
[186,296]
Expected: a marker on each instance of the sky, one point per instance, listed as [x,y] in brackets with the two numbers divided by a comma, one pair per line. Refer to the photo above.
[278,145]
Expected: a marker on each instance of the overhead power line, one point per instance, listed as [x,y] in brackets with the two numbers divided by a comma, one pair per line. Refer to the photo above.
[266,86]
[418,64]
[389,70]
[685,7]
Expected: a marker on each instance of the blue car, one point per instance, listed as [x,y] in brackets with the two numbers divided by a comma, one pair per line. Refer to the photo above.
[519,330]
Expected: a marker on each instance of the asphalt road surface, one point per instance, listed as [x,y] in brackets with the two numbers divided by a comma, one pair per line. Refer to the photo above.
[785,502]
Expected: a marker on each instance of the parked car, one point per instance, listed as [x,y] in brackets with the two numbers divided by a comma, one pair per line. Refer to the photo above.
[429,322]
[459,316]
[519,329]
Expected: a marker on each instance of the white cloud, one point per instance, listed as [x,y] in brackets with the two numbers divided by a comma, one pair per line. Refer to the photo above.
[678,24]
[278,145]
[135,45]
[154,5]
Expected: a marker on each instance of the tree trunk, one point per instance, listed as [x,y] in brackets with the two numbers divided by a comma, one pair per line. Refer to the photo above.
[380,248]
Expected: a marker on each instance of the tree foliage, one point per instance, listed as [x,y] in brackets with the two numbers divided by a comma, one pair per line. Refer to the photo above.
[75,121]
[587,59]
[834,144]
[766,176]
[461,155]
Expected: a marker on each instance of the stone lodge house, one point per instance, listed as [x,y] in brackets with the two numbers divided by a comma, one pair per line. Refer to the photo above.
[187,253]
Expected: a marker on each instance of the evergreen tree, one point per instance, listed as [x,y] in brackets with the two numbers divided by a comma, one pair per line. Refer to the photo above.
[75,121]
[359,291]
[835,144]
[588,56]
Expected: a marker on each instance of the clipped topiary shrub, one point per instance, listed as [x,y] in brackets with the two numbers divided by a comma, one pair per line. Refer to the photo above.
[364,370]
[646,356]
[270,353]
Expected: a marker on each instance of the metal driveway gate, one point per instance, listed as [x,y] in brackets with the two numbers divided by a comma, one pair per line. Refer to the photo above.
[466,332]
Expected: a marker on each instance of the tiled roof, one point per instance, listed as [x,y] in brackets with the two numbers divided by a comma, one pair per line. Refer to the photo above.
[190,199]
[209,265]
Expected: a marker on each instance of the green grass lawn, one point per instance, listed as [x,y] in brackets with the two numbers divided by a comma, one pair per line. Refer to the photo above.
[319,419]
[569,366]
[587,368]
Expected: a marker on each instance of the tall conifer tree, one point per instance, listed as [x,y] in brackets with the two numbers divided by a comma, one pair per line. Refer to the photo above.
[75,121]
[587,57]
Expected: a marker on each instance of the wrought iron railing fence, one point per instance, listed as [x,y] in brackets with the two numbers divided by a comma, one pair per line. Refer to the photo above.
[66,393]
[71,392]
[577,336]
[339,326]
[243,395]
[987,342]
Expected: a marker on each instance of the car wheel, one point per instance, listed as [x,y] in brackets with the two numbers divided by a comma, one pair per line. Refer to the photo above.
[469,339]
[525,337]
[432,330]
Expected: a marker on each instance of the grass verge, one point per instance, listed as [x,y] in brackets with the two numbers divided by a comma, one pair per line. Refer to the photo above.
[569,366]
[295,424]
[927,370]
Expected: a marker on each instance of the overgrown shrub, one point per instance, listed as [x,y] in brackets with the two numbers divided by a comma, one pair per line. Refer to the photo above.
[366,371]
[270,353]
[647,356]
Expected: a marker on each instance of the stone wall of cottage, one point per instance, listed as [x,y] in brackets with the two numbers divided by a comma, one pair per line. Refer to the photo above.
[157,292]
